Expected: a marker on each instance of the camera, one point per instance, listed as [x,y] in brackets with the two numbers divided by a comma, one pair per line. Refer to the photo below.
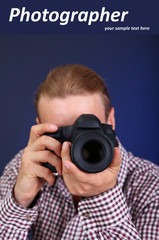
[92,143]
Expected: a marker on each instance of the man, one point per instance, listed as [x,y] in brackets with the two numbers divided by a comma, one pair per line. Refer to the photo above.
[120,202]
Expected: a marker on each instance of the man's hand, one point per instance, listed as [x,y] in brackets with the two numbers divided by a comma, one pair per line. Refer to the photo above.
[32,175]
[84,184]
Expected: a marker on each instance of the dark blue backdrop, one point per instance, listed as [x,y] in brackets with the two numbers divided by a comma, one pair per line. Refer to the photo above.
[128,64]
[141,13]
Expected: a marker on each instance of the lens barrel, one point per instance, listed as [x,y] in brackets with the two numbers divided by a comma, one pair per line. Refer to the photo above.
[92,152]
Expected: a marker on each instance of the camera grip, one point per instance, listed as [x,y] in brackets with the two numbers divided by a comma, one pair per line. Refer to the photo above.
[49,166]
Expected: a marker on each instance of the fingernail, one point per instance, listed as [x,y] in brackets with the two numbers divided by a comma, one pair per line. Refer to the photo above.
[65,145]
[53,126]
[66,165]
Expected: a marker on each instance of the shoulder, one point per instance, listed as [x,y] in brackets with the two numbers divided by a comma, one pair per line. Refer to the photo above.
[140,167]
[13,166]
[142,183]
[9,176]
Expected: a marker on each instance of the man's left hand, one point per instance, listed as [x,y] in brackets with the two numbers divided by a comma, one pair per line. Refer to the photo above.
[84,184]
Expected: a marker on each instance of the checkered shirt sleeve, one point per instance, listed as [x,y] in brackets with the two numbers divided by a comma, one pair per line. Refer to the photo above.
[15,221]
[129,211]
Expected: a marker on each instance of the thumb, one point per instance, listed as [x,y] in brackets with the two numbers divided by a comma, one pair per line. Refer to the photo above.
[116,159]
[65,155]
[67,163]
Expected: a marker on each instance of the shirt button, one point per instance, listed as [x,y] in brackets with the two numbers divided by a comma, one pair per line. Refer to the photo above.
[28,218]
[86,214]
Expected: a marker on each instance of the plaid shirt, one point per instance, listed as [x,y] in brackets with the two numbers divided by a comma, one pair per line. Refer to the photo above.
[128,211]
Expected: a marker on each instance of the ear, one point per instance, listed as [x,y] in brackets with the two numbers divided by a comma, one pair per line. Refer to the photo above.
[111,118]
[37,120]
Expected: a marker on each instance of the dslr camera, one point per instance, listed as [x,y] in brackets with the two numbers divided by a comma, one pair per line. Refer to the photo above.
[92,143]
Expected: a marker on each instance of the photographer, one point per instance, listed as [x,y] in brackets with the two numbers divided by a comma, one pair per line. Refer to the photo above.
[120,202]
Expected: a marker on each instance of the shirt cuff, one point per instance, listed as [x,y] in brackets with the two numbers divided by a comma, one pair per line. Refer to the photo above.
[11,214]
[103,211]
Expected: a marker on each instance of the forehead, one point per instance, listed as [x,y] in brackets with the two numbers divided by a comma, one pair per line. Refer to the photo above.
[64,111]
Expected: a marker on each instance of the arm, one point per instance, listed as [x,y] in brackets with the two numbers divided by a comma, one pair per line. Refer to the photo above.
[106,216]
[22,180]
[103,211]
[15,221]
[147,222]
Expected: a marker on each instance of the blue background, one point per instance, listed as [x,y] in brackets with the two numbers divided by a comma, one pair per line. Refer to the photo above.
[141,13]
[127,63]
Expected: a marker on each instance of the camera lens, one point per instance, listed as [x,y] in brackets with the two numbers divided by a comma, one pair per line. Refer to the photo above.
[92,151]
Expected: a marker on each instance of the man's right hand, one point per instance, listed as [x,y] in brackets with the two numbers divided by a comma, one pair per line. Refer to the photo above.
[32,175]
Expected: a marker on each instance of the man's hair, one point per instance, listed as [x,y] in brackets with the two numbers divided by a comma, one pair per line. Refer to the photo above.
[73,79]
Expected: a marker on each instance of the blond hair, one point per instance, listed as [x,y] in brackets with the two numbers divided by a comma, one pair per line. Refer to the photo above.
[73,79]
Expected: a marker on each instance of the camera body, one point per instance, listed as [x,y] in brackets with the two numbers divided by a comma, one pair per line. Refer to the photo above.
[92,143]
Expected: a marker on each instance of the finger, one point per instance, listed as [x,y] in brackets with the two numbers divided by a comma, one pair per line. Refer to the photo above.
[46,156]
[65,155]
[67,164]
[45,142]
[54,160]
[116,160]
[40,129]
[45,173]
